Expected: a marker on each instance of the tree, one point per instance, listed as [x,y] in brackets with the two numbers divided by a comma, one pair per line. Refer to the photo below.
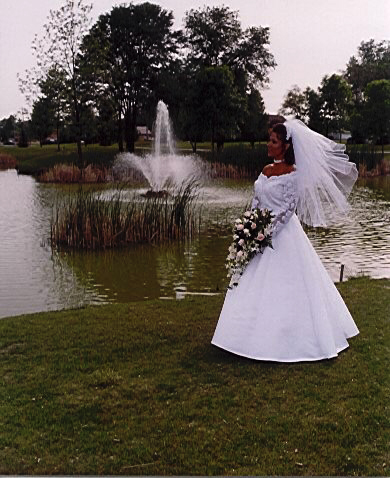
[371,63]
[8,127]
[23,136]
[210,34]
[106,127]
[255,120]
[42,119]
[59,49]
[213,37]
[336,96]
[134,43]
[313,110]
[294,103]
[217,101]
[377,110]
[90,125]
[53,87]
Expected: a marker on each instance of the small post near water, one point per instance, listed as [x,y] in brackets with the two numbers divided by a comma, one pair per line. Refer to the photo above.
[341,272]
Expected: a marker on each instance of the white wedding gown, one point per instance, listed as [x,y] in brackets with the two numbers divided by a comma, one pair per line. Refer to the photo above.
[285,307]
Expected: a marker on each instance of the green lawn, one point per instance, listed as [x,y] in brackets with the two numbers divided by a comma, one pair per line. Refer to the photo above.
[137,389]
[34,159]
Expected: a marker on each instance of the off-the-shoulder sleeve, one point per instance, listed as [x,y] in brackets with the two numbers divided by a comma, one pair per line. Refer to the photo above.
[288,206]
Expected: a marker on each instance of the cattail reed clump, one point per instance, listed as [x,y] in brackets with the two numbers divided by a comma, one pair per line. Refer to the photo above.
[368,160]
[70,173]
[88,220]
[7,161]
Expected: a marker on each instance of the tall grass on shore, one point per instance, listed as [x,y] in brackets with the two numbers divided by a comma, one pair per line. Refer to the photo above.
[238,161]
[7,161]
[70,173]
[368,160]
[89,220]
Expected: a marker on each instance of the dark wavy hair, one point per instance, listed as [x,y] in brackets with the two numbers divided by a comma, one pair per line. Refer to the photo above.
[281,133]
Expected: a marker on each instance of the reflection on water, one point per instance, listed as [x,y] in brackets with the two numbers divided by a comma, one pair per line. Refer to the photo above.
[33,278]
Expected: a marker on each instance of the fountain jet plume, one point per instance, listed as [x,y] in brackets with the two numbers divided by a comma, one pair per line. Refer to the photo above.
[163,167]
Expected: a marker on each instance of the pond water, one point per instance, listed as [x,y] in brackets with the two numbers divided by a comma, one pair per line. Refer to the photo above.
[35,278]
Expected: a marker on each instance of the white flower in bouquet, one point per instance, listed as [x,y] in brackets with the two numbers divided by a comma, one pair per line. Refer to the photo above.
[251,234]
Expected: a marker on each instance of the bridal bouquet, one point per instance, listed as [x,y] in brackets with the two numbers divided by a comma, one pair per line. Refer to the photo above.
[251,234]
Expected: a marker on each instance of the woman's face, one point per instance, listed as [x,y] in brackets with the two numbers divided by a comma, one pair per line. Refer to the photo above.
[275,146]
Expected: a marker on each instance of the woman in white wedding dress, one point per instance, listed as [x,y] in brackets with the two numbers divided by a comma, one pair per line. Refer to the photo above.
[285,307]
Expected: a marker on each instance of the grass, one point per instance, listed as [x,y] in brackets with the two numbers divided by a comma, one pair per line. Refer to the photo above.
[137,389]
[236,160]
[88,220]
[35,160]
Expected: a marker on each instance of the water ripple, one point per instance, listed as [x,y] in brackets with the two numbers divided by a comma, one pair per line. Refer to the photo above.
[33,278]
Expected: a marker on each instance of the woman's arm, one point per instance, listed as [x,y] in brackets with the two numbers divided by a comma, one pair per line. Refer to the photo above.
[288,207]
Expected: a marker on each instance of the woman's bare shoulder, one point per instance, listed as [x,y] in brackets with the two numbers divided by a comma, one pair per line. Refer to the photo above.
[280,170]
[268,170]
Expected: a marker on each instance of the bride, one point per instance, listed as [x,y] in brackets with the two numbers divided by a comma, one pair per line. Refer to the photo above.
[285,307]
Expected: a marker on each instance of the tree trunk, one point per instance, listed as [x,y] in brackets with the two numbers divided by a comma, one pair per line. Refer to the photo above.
[128,131]
[120,132]
[193,146]
[78,126]
[133,127]
[58,131]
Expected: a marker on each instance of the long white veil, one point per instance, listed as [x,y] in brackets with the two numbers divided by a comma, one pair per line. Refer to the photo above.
[325,176]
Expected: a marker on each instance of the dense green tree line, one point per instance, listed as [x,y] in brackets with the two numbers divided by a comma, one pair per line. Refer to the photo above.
[358,99]
[98,82]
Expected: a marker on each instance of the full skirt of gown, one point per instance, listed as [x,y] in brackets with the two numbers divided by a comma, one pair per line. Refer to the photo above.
[285,307]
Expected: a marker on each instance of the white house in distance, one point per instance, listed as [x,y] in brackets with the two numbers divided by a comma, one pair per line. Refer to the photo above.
[144,133]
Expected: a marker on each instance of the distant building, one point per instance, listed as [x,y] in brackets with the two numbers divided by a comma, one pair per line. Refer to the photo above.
[144,133]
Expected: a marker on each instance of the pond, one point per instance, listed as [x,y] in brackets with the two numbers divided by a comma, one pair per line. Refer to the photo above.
[35,278]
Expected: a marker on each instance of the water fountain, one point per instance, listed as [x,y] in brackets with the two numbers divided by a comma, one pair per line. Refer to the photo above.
[163,168]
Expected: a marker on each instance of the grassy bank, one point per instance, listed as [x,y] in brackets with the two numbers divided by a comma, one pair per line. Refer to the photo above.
[236,160]
[138,389]
[35,160]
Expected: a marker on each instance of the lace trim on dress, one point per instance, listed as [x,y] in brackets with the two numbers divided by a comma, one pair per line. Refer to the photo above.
[279,175]
[290,203]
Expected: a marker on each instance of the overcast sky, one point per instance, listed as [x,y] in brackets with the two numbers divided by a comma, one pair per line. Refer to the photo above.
[309,38]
